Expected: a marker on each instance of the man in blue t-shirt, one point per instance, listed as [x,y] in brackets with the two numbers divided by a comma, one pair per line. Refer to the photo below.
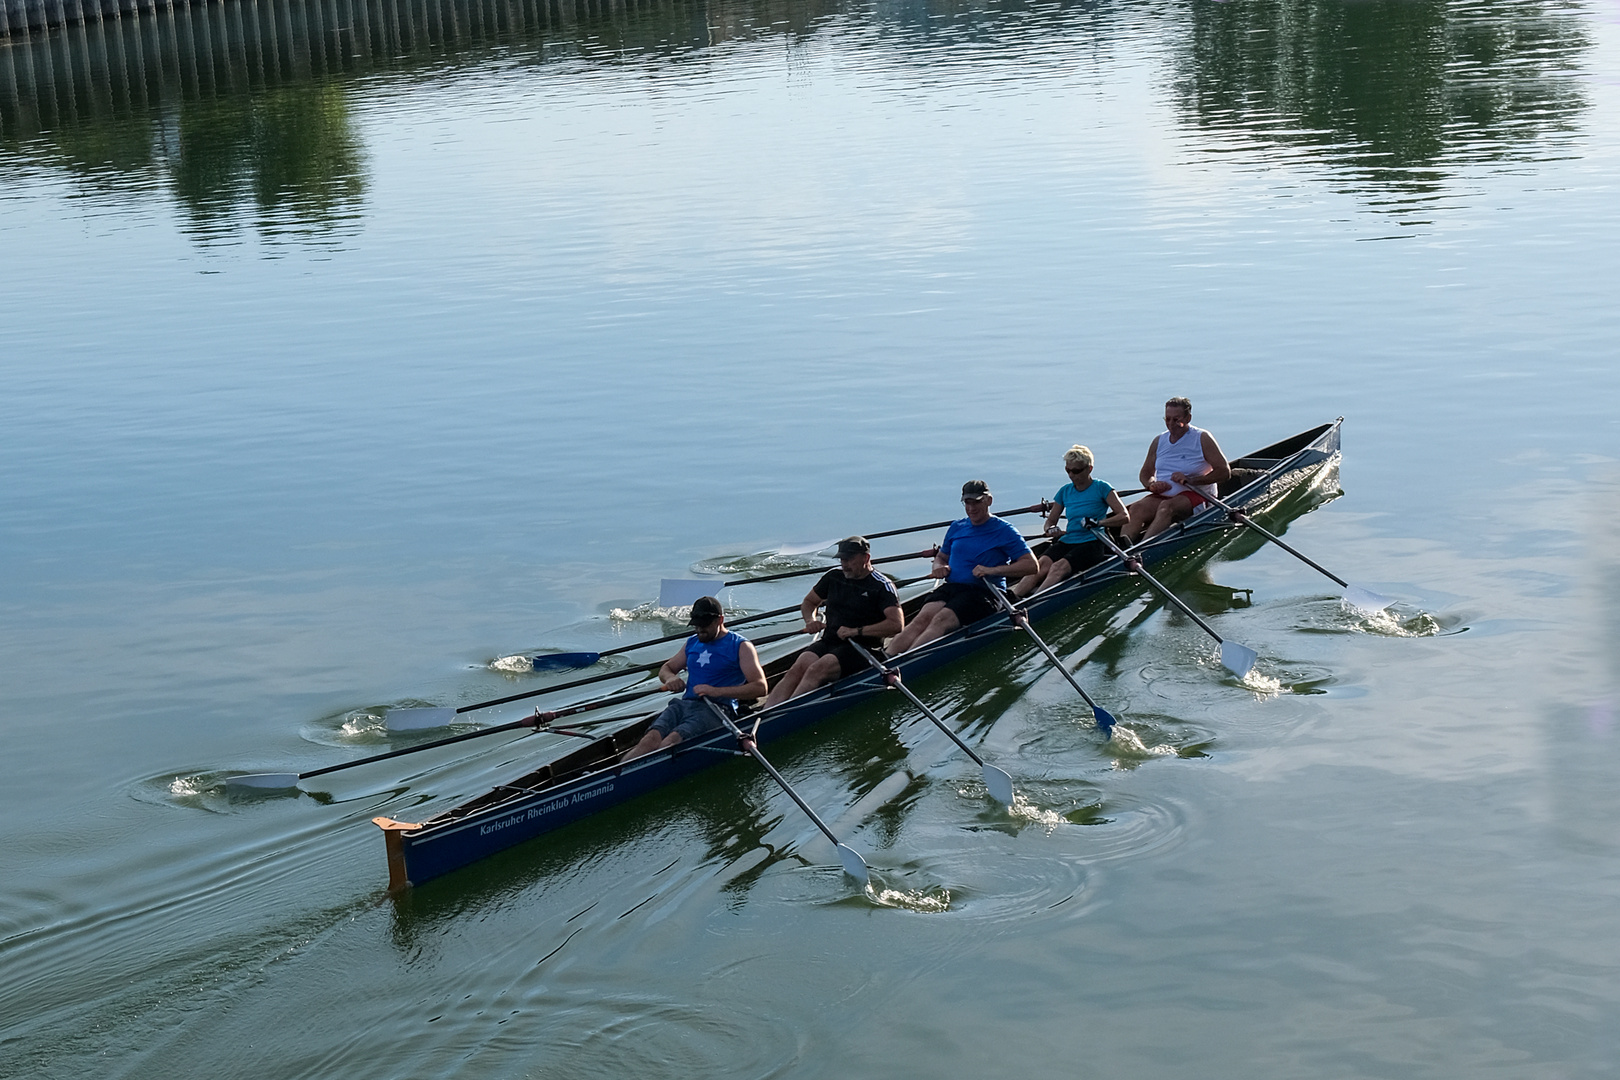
[977,550]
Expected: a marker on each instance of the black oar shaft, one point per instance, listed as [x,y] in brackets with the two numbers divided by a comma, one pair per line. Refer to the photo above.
[1021,619]
[528,722]
[747,743]
[926,554]
[1136,564]
[1034,508]
[892,677]
[1242,517]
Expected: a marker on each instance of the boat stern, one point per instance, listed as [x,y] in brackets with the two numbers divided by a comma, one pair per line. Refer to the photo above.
[394,840]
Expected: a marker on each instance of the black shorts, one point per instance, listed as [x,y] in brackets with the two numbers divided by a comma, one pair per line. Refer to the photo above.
[849,661]
[969,603]
[1081,556]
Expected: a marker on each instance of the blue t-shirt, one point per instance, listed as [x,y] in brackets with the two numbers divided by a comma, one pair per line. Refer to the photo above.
[1090,503]
[967,545]
[714,663]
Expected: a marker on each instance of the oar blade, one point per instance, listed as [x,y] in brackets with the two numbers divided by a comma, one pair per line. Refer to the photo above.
[419,719]
[1105,719]
[854,865]
[1000,785]
[261,783]
[806,547]
[1238,659]
[683,592]
[559,661]
[1365,600]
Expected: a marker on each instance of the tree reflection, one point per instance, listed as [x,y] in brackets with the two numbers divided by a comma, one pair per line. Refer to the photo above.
[1401,92]
[291,150]
[240,107]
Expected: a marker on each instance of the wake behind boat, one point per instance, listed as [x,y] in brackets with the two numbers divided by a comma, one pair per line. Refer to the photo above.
[592,778]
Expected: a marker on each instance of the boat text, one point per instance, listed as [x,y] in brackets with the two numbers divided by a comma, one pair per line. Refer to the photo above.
[544,809]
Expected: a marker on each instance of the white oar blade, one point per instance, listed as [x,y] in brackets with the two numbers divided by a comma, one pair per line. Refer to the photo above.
[259,782]
[854,865]
[1366,600]
[1000,785]
[806,547]
[420,719]
[683,592]
[1238,659]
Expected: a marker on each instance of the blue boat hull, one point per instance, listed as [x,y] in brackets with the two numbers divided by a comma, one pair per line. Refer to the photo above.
[591,779]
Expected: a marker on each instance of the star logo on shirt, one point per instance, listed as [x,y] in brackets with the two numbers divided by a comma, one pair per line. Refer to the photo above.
[703,658]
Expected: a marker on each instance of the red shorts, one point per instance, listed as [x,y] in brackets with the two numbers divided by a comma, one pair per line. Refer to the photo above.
[1195,498]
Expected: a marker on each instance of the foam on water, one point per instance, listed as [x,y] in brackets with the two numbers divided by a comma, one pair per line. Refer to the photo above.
[926,901]
[1124,743]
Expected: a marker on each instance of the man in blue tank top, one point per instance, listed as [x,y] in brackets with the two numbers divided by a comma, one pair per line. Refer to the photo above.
[978,549]
[1183,465]
[721,667]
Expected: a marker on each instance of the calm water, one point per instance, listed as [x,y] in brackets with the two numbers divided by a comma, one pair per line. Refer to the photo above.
[347,349]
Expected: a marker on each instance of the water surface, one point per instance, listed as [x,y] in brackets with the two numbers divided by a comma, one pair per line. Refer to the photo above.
[349,348]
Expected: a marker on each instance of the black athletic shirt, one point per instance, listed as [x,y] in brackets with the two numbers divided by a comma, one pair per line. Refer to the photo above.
[856,603]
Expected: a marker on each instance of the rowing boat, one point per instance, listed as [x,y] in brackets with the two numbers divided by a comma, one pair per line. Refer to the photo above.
[591,778]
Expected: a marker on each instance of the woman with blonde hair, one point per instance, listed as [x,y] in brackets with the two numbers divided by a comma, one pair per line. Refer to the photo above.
[1075,549]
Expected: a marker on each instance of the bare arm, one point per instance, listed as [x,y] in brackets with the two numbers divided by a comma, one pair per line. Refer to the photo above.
[748,660]
[1218,469]
[1149,467]
[1052,517]
[1117,513]
[1023,566]
[669,675]
[894,621]
[807,610]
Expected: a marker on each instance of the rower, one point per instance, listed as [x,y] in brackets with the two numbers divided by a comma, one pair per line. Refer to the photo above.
[727,663]
[978,548]
[862,606]
[1083,500]
[1183,466]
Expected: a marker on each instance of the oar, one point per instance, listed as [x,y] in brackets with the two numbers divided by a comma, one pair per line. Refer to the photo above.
[283,781]
[1362,599]
[1238,659]
[433,716]
[678,592]
[1020,617]
[999,783]
[854,865]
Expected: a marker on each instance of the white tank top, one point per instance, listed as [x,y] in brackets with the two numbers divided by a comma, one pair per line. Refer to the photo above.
[1184,456]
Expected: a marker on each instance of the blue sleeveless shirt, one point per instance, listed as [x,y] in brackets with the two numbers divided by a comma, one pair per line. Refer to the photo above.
[714,663]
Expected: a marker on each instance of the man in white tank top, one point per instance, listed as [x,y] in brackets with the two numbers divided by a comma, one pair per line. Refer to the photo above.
[1183,466]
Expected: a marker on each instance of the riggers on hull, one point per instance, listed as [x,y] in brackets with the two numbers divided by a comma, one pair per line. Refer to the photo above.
[591,778]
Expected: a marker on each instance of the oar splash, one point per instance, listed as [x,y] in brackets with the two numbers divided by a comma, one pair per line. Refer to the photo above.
[1364,600]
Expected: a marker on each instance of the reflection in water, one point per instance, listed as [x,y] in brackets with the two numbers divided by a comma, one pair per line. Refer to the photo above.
[1401,93]
[242,106]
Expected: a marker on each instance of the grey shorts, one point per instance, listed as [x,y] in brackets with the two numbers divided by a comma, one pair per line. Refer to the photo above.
[689,718]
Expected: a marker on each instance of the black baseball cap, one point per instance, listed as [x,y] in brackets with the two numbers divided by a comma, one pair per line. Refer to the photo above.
[974,490]
[705,609]
[853,545]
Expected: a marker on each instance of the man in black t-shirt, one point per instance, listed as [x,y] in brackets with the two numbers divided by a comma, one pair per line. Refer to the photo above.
[861,604]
